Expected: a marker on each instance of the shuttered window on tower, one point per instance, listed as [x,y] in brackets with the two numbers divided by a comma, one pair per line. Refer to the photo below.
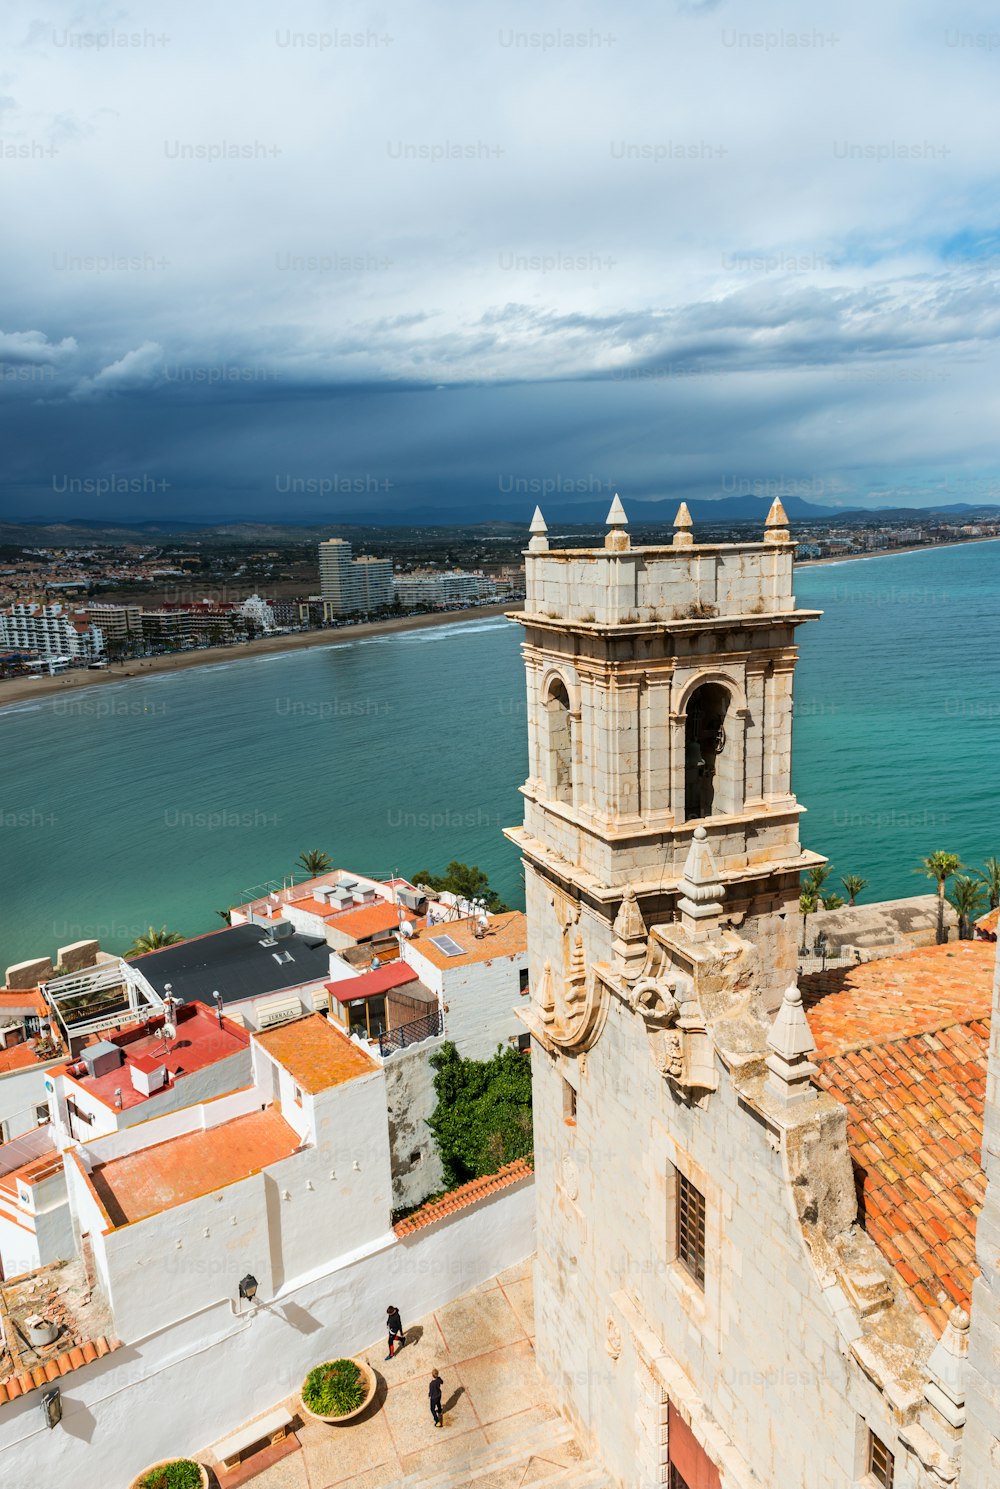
[690,1236]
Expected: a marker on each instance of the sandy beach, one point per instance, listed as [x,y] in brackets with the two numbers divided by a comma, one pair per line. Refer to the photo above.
[846,558]
[22,689]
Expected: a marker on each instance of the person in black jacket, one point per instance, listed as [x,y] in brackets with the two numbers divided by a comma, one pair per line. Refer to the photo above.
[395,1326]
[434,1392]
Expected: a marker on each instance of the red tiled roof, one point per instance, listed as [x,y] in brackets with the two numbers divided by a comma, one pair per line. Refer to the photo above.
[465,1195]
[988,923]
[18,1057]
[395,974]
[27,1000]
[899,995]
[903,1043]
[70,1359]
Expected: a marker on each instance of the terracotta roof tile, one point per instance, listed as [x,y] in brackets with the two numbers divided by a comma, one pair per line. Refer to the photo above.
[465,1195]
[921,1208]
[59,1365]
[903,1043]
[917,992]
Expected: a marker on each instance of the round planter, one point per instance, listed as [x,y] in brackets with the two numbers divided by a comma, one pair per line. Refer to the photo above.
[162,1464]
[371,1381]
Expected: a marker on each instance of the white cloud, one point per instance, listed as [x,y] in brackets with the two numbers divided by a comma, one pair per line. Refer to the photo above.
[136,369]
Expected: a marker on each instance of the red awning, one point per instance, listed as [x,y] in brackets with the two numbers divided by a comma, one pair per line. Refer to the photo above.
[372,984]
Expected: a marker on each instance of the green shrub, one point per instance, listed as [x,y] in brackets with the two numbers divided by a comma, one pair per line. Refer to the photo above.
[179,1473]
[482,1119]
[334,1389]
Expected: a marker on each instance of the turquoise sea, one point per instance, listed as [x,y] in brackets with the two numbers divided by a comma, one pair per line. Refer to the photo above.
[163,799]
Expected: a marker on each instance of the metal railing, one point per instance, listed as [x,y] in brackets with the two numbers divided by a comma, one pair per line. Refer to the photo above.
[412,1033]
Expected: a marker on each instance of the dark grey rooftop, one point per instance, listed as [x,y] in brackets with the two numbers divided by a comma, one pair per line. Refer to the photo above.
[234,963]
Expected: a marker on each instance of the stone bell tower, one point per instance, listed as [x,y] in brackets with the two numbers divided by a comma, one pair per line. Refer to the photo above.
[660,716]
[662,868]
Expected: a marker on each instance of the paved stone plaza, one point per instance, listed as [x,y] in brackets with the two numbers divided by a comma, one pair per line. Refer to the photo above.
[500,1432]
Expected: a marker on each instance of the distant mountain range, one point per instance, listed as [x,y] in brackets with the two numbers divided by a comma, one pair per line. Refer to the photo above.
[585,512]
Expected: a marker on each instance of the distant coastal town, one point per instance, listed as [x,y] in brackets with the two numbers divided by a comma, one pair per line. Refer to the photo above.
[101,607]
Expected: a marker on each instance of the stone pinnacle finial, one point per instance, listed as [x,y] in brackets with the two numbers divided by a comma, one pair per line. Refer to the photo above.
[945,1389]
[682,527]
[791,1043]
[700,886]
[539,540]
[630,941]
[776,526]
[617,538]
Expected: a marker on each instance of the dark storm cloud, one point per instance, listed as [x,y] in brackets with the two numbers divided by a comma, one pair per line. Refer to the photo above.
[452,267]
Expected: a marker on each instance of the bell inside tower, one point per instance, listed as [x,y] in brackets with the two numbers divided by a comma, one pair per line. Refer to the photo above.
[706,782]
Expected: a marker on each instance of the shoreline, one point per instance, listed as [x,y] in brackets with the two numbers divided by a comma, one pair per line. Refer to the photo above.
[23,689]
[846,558]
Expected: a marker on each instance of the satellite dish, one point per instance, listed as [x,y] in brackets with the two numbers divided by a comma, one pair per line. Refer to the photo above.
[406,928]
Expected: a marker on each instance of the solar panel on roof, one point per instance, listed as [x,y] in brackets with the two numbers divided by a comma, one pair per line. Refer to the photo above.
[446,944]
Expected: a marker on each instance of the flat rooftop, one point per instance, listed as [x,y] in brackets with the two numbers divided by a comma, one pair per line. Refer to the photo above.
[903,1043]
[195,1163]
[506,935]
[200,1042]
[233,962]
[315,1054]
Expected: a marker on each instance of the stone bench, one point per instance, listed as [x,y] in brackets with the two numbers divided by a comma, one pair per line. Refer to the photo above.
[271,1428]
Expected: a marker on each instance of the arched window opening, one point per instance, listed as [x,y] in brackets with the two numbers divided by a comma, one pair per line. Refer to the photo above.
[560,743]
[707,785]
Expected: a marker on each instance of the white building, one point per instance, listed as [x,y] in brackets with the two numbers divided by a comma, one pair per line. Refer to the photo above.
[120,1082]
[454,588]
[258,612]
[479,972]
[50,631]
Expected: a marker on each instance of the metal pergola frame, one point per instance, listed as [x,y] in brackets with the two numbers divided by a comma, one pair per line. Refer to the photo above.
[70,996]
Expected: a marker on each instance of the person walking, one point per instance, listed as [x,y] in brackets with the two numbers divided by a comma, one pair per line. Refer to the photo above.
[394,1324]
[434,1392]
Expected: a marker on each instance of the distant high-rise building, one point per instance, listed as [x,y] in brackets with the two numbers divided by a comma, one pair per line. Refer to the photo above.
[352,585]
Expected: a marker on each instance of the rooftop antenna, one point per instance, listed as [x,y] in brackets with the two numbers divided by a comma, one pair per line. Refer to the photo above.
[218,1005]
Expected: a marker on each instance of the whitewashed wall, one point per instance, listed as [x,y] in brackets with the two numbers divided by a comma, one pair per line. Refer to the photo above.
[187,1385]
[21,1091]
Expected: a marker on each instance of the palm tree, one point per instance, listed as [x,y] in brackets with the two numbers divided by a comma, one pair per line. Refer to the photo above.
[813,881]
[153,939]
[314,862]
[226,915]
[808,902]
[833,901]
[989,877]
[940,867]
[854,884]
[969,899]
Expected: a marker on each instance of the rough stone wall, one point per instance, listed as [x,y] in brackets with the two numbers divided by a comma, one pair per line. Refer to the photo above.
[757,1353]
[409,1091]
